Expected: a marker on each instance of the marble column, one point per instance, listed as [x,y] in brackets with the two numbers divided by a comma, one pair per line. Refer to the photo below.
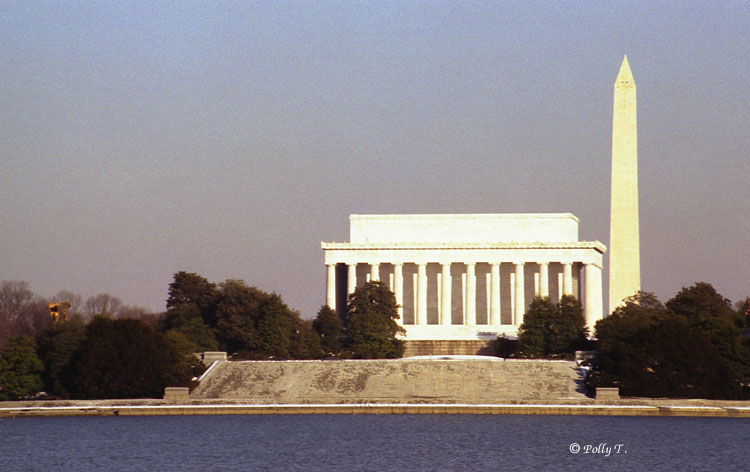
[519,301]
[544,279]
[351,278]
[398,290]
[567,279]
[374,272]
[593,296]
[331,286]
[421,294]
[445,295]
[471,295]
[495,294]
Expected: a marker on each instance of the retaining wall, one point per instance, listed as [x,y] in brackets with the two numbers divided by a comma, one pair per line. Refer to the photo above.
[433,380]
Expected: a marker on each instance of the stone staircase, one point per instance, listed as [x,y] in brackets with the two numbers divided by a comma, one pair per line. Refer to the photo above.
[476,380]
[414,348]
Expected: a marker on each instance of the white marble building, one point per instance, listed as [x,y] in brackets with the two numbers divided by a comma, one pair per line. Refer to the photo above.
[466,277]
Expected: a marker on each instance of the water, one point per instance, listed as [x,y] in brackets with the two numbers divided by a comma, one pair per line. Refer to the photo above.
[371,442]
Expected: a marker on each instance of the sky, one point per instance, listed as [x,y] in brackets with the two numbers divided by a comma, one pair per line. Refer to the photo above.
[142,138]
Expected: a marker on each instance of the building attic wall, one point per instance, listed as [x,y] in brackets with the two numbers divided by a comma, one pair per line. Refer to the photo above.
[464,228]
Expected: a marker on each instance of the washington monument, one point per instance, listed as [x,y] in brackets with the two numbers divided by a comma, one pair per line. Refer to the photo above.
[624,253]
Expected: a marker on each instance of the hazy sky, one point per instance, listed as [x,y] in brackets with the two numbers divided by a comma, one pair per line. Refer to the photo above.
[138,139]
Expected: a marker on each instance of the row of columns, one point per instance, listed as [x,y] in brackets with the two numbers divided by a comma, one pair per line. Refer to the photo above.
[519,303]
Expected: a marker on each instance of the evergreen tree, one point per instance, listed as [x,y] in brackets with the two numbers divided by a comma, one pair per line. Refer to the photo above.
[691,348]
[56,346]
[532,337]
[275,326]
[187,364]
[712,315]
[567,331]
[125,359]
[700,302]
[616,335]
[187,319]
[743,312]
[371,326]
[305,341]
[330,328]
[237,313]
[20,369]
[191,288]
[550,329]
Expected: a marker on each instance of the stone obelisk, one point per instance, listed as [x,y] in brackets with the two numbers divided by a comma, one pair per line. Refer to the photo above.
[624,247]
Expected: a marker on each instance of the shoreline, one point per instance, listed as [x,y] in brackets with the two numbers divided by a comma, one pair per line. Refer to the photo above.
[654,407]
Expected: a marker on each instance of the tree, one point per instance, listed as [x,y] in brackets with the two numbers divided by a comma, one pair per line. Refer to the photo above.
[743,311]
[275,326]
[640,310]
[700,303]
[671,359]
[245,321]
[616,335]
[56,347]
[237,313]
[568,330]
[305,341]
[125,359]
[102,304]
[187,365]
[187,319]
[532,336]
[34,319]
[20,369]
[189,287]
[550,329]
[330,328]
[371,326]
[712,315]
[15,299]
[138,313]
[689,348]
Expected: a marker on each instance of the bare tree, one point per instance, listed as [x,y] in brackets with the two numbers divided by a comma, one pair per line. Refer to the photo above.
[21,312]
[102,304]
[15,297]
[35,318]
[139,313]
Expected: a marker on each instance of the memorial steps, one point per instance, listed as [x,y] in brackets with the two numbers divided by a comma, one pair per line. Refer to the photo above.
[461,347]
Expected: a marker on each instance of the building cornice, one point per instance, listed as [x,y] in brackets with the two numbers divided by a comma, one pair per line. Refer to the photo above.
[596,245]
[464,216]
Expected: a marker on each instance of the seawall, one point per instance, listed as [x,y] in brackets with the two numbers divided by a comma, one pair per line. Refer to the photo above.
[156,408]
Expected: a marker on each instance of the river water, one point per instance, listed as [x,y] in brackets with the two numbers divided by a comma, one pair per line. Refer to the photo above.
[372,442]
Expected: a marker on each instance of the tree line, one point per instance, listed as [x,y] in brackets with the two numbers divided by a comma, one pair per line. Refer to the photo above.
[133,354]
[248,323]
[22,312]
[691,347]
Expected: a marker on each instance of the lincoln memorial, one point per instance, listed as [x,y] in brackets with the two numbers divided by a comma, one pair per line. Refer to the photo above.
[466,276]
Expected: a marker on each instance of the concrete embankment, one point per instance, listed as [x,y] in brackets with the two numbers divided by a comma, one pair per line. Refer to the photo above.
[103,408]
